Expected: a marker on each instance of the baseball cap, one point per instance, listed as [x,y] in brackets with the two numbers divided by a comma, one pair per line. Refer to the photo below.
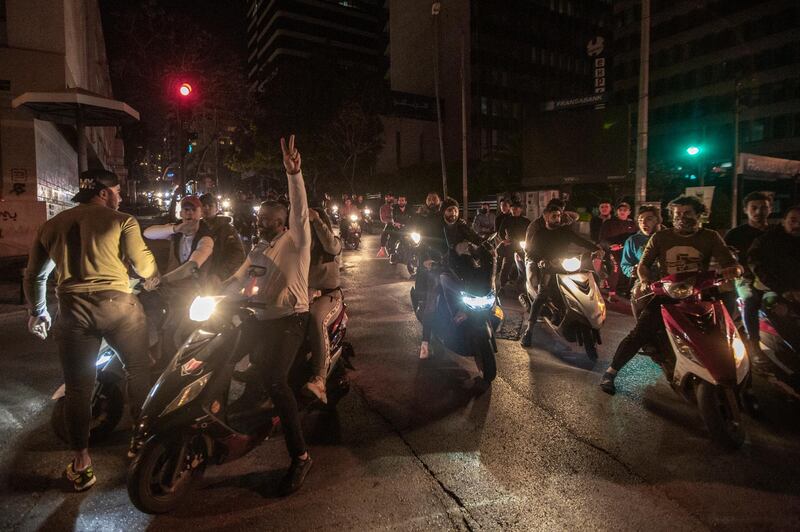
[91,182]
[191,201]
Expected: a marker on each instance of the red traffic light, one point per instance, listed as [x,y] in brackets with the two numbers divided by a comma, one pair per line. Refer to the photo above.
[185,89]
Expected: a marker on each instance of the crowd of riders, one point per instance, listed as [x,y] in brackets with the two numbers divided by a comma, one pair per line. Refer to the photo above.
[94,250]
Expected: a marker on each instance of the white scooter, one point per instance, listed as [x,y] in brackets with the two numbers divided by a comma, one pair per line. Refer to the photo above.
[578,312]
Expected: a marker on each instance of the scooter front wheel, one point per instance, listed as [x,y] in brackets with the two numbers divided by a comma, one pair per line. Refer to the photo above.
[484,357]
[162,474]
[720,412]
[107,409]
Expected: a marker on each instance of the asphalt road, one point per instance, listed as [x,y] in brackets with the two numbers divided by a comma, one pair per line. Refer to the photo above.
[413,447]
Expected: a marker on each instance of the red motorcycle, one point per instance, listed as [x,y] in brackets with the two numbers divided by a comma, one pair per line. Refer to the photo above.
[701,353]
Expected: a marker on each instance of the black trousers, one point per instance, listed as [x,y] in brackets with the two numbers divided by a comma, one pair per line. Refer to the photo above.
[645,332]
[277,344]
[388,231]
[83,320]
[547,289]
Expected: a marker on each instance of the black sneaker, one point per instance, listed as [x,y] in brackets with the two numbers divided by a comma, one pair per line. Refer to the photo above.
[607,383]
[295,476]
[527,336]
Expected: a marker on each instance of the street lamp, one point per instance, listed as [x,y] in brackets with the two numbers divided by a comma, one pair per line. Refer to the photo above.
[436,8]
[692,150]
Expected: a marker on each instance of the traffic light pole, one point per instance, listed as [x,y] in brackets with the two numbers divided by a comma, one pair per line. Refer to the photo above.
[642,124]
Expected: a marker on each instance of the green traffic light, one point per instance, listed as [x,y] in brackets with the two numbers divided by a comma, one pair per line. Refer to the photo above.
[692,150]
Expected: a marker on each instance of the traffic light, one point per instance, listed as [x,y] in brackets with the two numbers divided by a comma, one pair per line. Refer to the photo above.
[693,150]
[185,89]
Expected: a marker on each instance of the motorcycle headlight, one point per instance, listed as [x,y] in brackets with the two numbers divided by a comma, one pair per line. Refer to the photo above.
[189,393]
[571,264]
[203,307]
[104,358]
[478,302]
[255,210]
[353,218]
[679,290]
[739,351]
[416,237]
[367,212]
[226,204]
[335,208]
[522,244]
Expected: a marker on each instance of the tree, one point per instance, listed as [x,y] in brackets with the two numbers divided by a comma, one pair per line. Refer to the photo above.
[353,138]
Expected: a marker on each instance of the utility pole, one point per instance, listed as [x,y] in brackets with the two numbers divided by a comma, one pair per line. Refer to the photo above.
[435,9]
[735,163]
[644,82]
[464,128]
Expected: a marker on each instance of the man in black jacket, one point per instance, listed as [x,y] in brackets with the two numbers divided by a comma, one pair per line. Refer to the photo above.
[548,245]
[512,231]
[775,257]
[228,249]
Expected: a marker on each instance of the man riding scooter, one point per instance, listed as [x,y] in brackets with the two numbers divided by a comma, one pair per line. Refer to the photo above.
[649,220]
[548,245]
[687,247]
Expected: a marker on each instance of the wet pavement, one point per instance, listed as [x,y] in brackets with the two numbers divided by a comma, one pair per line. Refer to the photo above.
[414,447]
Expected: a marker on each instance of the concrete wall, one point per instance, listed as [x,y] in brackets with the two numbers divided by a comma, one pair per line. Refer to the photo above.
[52,45]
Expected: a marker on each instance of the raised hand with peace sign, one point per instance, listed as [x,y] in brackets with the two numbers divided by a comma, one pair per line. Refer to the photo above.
[291,157]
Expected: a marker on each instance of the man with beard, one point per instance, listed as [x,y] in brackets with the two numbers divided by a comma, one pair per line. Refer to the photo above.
[512,230]
[228,249]
[447,232]
[275,275]
[686,247]
[90,247]
[604,213]
[757,207]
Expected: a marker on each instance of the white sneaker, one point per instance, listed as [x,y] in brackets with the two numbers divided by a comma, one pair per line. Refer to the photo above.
[316,388]
[423,351]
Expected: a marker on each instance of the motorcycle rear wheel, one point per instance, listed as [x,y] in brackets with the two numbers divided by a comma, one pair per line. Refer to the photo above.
[589,344]
[154,486]
[720,414]
[107,410]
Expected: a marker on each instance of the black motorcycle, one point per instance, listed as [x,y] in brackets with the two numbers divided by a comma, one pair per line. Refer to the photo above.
[403,246]
[193,417]
[463,310]
[350,231]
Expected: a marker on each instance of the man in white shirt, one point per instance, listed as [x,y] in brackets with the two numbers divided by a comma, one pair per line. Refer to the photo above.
[275,277]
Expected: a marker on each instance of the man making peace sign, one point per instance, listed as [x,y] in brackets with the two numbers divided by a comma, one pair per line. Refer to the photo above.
[282,257]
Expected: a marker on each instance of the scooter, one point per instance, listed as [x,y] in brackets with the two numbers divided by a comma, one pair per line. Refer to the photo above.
[463,311]
[333,214]
[780,341]
[369,222]
[351,232]
[187,421]
[701,352]
[579,312]
[403,249]
[108,398]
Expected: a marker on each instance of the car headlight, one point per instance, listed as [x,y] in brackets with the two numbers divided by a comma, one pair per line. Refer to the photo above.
[739,351]
[416,237]
[367,212]
[189,393]
[571,264]
[478,302]
[353,218]
[203,307]
[679,290]
[522,244]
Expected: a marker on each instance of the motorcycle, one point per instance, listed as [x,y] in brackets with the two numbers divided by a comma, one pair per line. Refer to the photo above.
[578,313]
[464,312]
[701,352]
[369,221]
[108,398]
[188,422]
[351,233]
[777,322]
[333,214]
[403,249]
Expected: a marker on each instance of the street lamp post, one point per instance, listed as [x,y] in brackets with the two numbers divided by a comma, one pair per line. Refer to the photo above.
[435,10]
[644,82]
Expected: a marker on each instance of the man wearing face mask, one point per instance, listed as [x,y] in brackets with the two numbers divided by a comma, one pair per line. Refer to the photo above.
[90,247]
[686,247]
[483,224]
[280,288]
[448,231]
